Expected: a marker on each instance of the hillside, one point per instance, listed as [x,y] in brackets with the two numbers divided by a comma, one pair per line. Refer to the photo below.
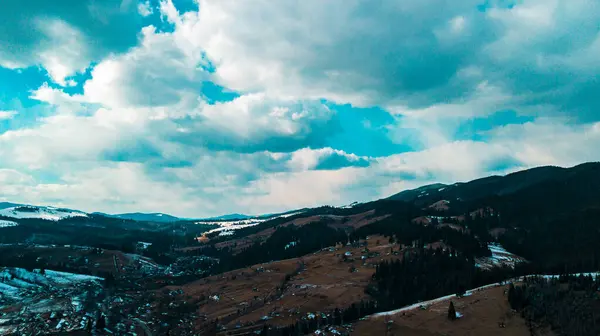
[499,185]
[484,312]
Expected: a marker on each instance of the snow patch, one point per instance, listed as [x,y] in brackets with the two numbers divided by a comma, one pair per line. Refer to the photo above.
[69,278]
[5,224]
[500,257]
[349,206]
[21,279]
[47,213]
[226,227]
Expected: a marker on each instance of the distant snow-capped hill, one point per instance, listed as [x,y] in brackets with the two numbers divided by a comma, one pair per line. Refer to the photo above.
[165,218]
[145,217]
[350,206]
[226,227]
[228,217]
[4,205]
[41,212]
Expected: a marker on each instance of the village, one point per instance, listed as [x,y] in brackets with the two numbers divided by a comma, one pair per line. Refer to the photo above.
[121,297]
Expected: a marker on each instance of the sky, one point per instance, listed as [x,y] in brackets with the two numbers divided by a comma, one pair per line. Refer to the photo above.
[205,107]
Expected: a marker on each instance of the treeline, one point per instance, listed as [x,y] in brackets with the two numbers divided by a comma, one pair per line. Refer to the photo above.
[310,324]
[106,233]
[563,244]
[286,242]
[30,260]
[554,224]
[381,207]
[402,230]
[569,305]
[426,274]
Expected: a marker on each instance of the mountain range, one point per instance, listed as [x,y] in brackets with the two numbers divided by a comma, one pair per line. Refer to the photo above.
[458,192]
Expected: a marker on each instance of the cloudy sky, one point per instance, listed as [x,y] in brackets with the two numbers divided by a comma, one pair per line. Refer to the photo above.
[205,107]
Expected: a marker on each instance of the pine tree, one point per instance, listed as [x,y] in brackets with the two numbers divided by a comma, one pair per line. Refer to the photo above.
[451,312]
[511,296]
[88,326]
[100,322]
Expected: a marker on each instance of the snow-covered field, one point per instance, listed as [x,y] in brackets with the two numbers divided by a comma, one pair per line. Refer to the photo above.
[5,224]
[22,279]
[226,227]
[48,292]
[48,213]
[500,257]
[228,230]
[30,293]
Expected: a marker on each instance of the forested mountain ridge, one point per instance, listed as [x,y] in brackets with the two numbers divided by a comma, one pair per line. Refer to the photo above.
[500,185]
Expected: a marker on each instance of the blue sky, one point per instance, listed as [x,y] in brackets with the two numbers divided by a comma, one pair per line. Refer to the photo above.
[200,108]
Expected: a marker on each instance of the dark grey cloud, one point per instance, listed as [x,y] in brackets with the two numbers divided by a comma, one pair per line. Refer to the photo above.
[335,161]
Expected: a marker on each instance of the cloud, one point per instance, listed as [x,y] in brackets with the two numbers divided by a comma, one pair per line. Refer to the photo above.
[223,106]
[325,159]
[7,114]
[145,9]
[362,53]
[256,122]
[406,54]
[64,39]
[157,72]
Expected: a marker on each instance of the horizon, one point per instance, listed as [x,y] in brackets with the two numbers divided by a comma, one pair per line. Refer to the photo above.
[291,209]
[200,108]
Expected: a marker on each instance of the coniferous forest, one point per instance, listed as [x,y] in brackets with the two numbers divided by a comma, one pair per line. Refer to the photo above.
[569,305]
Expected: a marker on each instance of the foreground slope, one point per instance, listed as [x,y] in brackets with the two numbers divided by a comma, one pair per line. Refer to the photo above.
[485,312]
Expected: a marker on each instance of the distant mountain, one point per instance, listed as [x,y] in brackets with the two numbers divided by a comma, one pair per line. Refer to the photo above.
[412,194]
[4,205]
[145,217]
[34,211]
[493,185]
[281,214]
[166,218]
[228,217]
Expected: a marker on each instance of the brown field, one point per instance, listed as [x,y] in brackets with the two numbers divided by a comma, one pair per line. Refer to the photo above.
[440,205]
[238,245]
[248,295]
[248,298]
[482,313]
[454,227]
